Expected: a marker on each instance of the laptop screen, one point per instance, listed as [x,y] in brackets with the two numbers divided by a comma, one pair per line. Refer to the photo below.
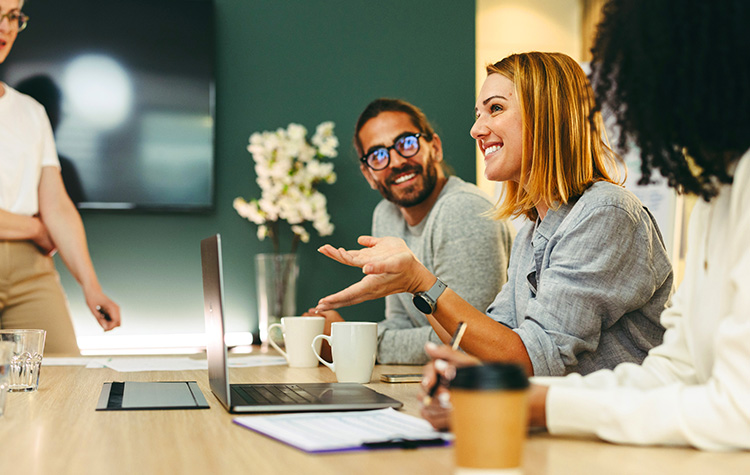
[213,300]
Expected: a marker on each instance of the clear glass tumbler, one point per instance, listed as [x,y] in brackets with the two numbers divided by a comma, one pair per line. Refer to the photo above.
[26,358]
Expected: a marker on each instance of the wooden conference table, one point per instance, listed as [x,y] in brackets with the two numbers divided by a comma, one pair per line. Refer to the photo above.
[57,431]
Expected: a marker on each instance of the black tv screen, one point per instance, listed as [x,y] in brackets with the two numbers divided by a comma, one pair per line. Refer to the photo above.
[128,85]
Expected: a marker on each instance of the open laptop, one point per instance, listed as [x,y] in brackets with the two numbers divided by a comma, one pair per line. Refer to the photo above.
[244,398]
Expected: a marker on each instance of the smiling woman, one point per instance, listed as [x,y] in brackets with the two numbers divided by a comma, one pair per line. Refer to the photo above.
[12,20]
[588,276]
[558,157]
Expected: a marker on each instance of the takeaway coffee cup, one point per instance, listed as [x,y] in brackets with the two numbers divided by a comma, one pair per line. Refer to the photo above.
[489,418]
[353,346]
[298,335]
[26,358]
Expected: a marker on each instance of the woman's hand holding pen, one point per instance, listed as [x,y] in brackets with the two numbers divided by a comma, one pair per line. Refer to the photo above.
[106,312]
[444,363]
[390,266]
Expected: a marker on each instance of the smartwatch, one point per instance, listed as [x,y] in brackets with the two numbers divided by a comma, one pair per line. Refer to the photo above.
[427,301]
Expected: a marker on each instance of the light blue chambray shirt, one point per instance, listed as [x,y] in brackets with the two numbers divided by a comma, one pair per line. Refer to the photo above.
[587,284]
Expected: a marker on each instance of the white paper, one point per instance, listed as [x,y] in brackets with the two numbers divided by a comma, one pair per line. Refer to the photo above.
[256,360]
[151,363]
[71,361]
[156,363]
[334,431]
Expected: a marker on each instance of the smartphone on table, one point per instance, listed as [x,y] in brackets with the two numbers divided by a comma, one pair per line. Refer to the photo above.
[402,378]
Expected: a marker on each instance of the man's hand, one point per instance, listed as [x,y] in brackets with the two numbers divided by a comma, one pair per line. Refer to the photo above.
[390,266]
[444,362]
[330,316]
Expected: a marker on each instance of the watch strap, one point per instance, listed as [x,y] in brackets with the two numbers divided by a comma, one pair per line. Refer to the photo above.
[426,302]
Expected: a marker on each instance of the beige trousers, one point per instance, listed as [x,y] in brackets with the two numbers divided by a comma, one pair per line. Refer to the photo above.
[31,296]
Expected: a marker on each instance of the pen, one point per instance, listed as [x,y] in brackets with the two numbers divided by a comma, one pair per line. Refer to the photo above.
[455,342]
[104,313]
[406,443]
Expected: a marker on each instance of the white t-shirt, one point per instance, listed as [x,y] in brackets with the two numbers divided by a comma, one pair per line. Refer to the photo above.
[26,145]
[693,389]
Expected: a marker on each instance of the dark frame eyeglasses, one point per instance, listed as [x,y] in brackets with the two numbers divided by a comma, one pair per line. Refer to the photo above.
[407,145]
[17,19]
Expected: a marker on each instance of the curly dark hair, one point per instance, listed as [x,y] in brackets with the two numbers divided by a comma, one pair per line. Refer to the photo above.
[676,76]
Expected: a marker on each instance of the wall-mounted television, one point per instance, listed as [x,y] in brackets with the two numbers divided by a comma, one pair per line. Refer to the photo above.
[131,82]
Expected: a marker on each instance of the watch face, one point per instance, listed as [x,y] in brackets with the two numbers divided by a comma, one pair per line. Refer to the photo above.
[420,301]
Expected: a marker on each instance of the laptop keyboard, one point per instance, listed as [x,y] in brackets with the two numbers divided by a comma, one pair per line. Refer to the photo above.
[260,394]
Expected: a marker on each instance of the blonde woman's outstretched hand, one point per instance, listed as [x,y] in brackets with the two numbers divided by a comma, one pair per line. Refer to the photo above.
[390,268]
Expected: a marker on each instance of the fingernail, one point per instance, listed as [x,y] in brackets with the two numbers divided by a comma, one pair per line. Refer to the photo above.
[444,399]
[450,373]
[430,345]
[441,365]
[424,382]
[366,269]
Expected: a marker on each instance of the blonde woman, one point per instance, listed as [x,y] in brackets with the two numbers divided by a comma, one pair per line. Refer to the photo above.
[588,275]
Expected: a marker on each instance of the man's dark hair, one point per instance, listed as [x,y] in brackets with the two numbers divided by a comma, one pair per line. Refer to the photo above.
[378,106]
[675,73]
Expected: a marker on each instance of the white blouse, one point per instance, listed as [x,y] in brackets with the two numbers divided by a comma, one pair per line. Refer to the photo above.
[694,388]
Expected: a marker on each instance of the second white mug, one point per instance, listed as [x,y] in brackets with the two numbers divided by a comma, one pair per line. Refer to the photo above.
[298,335]
[353,346]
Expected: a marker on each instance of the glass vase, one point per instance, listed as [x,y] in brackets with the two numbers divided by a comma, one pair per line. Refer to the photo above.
[276,278]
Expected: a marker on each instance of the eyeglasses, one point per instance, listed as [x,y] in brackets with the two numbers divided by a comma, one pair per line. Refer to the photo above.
[16,20]
[379,158]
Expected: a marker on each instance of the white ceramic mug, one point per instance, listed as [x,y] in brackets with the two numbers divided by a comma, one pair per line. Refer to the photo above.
[298,336]
[353,346]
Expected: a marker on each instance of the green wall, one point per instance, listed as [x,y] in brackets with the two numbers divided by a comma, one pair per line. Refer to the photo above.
[278,62]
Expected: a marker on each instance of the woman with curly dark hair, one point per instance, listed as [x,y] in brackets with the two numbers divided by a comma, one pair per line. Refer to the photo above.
[676,74]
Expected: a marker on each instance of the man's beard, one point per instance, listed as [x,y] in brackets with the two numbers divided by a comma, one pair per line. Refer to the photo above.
[412,195]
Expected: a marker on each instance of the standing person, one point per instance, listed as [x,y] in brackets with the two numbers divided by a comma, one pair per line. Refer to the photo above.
[690,117]
[588,275]
[37,218]
[443,219]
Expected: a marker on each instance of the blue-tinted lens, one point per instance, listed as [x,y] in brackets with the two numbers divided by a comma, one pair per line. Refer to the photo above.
[378,158]
[408,146]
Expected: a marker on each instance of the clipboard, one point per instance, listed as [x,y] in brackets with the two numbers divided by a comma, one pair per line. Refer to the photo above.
[136,395]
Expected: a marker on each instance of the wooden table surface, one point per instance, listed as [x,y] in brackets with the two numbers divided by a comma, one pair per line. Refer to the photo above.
[56,430]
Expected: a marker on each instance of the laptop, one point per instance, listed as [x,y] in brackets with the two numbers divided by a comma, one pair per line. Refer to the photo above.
[252,398]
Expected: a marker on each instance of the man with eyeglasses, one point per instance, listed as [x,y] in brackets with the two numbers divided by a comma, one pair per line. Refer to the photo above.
[442,219]
[37,218]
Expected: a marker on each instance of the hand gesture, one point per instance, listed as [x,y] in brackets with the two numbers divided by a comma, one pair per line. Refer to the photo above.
[390,266]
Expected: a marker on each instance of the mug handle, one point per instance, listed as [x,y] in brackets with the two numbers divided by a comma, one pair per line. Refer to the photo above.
[270,340]
[331,366]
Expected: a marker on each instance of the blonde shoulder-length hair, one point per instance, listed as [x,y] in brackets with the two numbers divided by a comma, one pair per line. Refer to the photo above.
[564,150]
